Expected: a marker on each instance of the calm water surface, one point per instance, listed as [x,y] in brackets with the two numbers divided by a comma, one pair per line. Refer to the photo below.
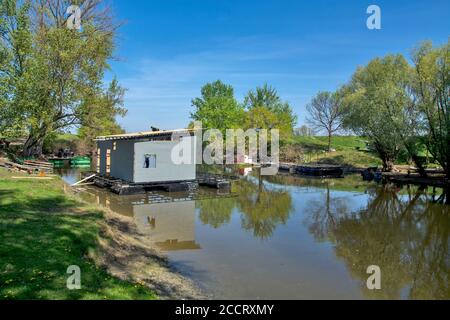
[285,237]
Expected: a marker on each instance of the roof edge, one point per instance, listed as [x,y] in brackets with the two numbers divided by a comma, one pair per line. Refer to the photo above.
[141,135]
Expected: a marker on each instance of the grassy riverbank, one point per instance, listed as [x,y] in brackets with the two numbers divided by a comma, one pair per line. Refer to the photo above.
[348,151]
[43,232]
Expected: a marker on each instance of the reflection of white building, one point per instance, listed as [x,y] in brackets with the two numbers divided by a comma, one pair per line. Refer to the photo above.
[171,226]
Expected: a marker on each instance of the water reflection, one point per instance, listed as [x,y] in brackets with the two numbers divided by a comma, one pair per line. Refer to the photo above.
[319,237]
[216,212]
[171,226]
[167,219]
[407,235]
[262,208]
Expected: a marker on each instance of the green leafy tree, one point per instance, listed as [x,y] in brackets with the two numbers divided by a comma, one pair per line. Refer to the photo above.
[58,71]
[266,110]
[431,89]
[16,66]
[100,115]
[217,108]
[400,107]
[377,103]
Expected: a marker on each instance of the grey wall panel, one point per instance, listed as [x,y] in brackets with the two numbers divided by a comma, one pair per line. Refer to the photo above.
[166,170]
[122,160]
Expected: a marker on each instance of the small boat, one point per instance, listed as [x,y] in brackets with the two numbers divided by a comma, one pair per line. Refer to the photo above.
[80,161]
[320,171]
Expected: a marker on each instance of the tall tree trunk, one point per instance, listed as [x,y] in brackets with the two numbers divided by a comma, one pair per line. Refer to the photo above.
[446,166]
[329,141]
[388,163]
[420,166]
[35,142]
[33,147]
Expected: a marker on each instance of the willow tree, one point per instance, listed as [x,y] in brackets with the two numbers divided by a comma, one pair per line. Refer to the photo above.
[432,93]
[379,105]
[364,115]
[61,69]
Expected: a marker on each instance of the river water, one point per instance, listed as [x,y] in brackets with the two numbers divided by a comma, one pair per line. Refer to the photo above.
[287,237]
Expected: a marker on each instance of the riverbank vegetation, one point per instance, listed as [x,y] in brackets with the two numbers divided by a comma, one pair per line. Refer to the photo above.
[262,108]
[52,77]
[43,232]
[403,108]
[400,108]
[348,151]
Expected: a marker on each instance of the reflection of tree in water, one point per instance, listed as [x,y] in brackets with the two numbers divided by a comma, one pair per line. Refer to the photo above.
[324,214]
[216,212]
[262,209]
[408,237]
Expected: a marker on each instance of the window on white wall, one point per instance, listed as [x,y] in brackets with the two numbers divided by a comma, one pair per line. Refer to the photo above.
[149,161]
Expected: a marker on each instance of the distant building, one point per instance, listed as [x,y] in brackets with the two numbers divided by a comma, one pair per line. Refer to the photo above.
[145,157]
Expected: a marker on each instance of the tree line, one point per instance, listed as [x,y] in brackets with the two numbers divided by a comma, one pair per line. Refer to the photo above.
[52,80]
[262,108]
[400,106]
[51,77]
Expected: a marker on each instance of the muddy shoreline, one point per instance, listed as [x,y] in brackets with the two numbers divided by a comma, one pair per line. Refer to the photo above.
[128,255]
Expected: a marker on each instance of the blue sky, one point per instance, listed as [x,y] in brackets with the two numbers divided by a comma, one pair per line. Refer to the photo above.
[167,49]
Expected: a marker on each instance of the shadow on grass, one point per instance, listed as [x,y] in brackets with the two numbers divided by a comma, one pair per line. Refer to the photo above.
[5,193]
[40,238]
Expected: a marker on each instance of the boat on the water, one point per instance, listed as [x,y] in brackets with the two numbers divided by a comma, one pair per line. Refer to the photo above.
[80,162]
[77,162]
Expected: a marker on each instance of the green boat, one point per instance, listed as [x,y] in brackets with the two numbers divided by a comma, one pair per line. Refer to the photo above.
[80,161]
[57,163]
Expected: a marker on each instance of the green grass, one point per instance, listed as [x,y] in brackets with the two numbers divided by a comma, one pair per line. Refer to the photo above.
[42,233]
[350,151]
[339,143]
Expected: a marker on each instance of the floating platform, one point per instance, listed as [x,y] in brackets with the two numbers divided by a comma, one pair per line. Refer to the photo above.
[122,187]
[404,179]
[317,170]
[213,181]
[321,171]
